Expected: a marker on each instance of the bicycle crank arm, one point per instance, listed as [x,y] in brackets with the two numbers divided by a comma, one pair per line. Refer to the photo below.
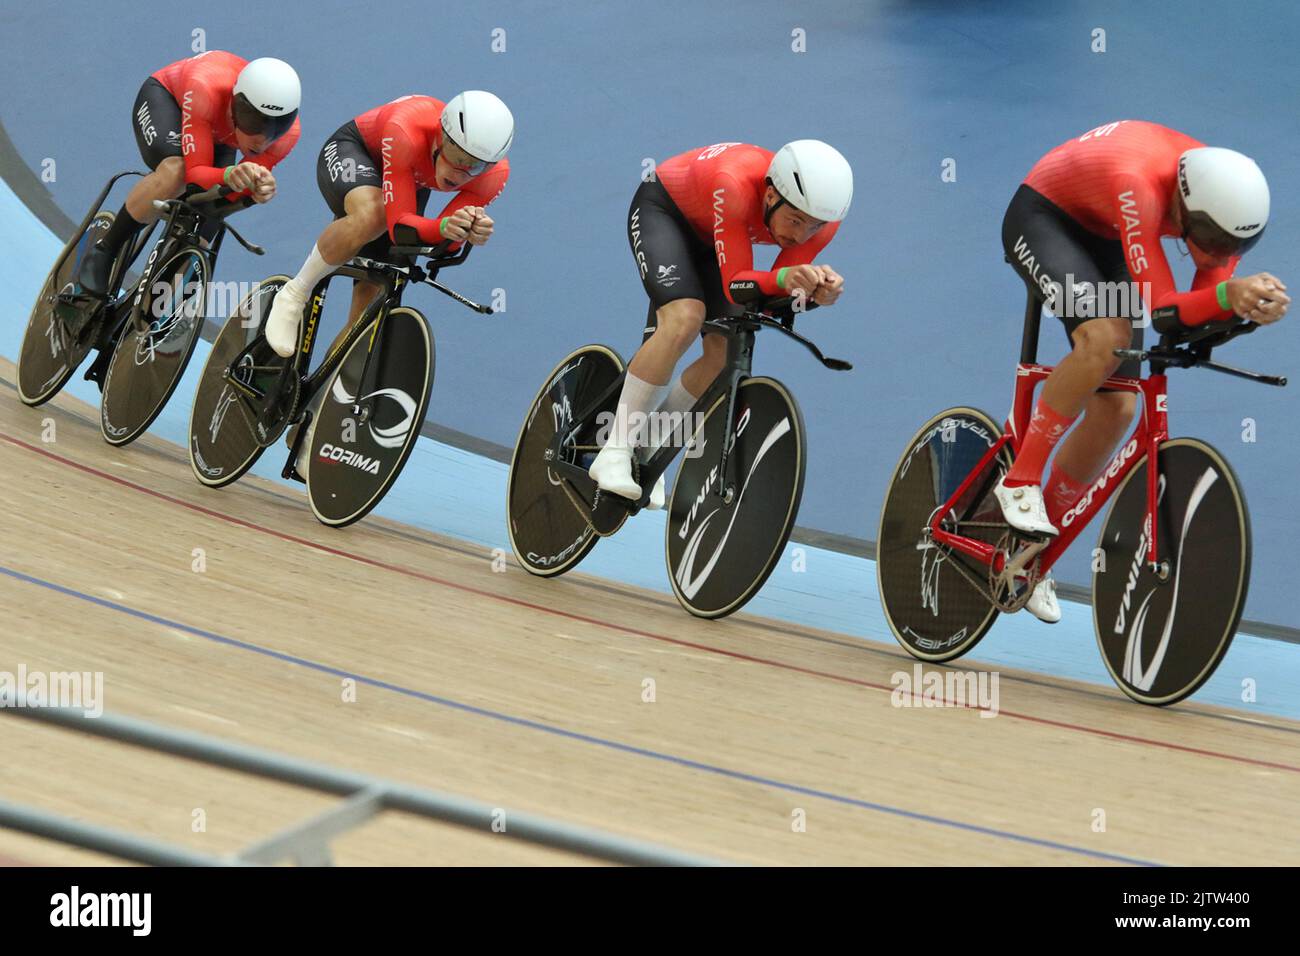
[1016,566]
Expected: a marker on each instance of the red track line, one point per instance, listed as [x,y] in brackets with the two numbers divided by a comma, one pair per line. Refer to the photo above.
[409,572]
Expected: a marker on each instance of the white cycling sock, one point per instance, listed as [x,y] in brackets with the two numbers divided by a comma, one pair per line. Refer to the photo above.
[679,402]
[638,398]
[312,271]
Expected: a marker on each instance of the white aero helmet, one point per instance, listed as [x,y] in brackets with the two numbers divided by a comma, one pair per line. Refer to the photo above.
[481,125]
[814,178]
[1225,200]
[266,98]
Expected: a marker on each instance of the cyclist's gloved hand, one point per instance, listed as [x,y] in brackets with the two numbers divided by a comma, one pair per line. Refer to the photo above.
[830,287]
[481,231]
[1261,298]
[256,180]
[265,189]
[803,279]
[457,226]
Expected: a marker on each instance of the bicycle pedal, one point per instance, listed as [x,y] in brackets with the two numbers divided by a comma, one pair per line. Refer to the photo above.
[609,511]
[290,470]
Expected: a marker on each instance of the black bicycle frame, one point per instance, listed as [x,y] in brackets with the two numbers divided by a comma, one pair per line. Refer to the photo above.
[95,207]
[171,240]
[393,280]
[740,356]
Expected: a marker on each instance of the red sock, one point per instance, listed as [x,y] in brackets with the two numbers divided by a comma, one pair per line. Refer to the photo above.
[1060,492]
[1046,428]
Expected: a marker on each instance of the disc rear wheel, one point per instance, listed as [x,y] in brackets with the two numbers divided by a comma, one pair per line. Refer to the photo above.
[548,519]
[937,601]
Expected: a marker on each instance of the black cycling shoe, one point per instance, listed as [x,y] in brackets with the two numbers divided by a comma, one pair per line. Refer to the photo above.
[96,268]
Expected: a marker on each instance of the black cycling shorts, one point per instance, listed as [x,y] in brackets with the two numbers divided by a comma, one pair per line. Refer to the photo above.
[1046,245]
[342,165]
[156,122]
[674,262]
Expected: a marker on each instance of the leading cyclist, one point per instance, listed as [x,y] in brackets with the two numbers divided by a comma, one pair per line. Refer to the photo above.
[1092,212]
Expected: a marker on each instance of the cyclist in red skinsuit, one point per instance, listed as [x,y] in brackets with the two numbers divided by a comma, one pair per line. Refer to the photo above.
[203,87]
[727,181]
[1093,210]
[692,230]
[376,172]
[187,120]
[407,135]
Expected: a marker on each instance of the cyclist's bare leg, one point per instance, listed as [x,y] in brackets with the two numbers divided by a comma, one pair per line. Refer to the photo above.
[1088,365]
[363,220]
[699,375]
[677,326]
[165,182]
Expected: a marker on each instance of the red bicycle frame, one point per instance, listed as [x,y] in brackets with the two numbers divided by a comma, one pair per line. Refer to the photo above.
[1151,430]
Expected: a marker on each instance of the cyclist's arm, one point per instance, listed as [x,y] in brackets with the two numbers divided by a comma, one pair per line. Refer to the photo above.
[1137,211]
[400,189]
[805,253]
[479,191]
[741,282]
[279,150]
[196,138]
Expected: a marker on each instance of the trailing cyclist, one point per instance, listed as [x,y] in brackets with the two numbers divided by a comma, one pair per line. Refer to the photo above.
[190,119]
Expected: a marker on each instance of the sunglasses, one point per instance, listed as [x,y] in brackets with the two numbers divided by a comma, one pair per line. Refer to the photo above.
[462,161]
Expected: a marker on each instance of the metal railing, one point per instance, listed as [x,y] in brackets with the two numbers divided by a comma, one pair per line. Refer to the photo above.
[306,843]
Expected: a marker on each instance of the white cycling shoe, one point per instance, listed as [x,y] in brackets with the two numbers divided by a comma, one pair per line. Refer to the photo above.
[1023,509]
[1042,603]
[612,472]
[281,328]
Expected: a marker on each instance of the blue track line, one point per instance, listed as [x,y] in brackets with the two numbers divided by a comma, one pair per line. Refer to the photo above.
[574,735]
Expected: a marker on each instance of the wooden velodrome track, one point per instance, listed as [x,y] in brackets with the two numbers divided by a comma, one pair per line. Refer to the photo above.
[515,691]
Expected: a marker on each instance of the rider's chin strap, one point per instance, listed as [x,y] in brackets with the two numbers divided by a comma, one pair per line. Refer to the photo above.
[767,213]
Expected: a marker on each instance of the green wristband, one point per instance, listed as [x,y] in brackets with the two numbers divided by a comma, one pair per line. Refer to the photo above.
[1222,290]
[780,276]
[225,175]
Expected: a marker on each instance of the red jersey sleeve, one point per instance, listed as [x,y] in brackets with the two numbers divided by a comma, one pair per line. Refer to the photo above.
[479,191]
[741,282]
[281,148]
[197,105]
[1138,208]
[804,253]
[399,186]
